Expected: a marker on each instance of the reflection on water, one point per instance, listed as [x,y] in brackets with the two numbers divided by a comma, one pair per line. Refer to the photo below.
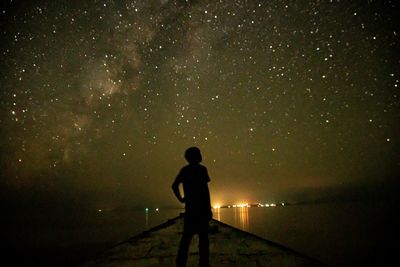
[241,217]
[146,211]
[217,213]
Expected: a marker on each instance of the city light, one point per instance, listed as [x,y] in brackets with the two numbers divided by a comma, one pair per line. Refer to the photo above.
[242,205]
[247,205]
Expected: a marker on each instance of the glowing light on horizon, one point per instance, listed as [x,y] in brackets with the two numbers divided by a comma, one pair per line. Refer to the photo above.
[247,205]
[241,205]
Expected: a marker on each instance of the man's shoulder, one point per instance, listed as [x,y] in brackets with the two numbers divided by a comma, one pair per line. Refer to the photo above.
[186,167]
[202,167]
[194,166]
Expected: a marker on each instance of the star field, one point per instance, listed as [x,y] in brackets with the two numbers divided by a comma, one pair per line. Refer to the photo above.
[101,98]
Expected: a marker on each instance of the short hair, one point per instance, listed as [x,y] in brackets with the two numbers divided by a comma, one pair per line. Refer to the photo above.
[193,155]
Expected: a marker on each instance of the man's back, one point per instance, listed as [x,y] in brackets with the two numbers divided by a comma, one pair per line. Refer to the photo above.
[194,178]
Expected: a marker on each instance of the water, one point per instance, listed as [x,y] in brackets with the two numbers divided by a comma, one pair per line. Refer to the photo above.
[338,234]
[342,234]
[65,239]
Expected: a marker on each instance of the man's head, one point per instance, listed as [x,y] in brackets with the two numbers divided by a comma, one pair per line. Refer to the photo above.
[193,155]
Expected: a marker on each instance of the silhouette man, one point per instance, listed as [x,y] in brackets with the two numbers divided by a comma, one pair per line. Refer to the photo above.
[194,178]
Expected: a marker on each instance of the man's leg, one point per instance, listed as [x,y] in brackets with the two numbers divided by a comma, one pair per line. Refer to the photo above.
[204,249]
[182,256]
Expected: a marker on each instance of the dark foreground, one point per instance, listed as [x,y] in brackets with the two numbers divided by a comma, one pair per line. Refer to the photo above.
[228,247]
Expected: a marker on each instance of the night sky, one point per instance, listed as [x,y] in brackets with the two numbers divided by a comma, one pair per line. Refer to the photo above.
[287,100]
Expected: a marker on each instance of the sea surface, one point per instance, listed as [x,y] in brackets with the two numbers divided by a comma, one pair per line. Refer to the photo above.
[337,234]
[356,233]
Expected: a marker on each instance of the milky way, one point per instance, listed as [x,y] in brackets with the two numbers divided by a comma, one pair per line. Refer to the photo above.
[100,99]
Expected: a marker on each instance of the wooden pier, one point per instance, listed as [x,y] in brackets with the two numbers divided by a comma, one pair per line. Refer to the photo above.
[228,247]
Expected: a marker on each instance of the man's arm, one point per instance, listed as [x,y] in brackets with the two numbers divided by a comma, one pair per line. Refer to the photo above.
[206,175]
[175,188]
